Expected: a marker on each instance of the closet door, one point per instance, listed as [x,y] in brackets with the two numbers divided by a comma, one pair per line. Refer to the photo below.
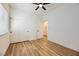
[23,27]
[20,32]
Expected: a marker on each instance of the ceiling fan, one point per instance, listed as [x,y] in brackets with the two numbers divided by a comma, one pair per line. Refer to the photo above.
[41,5]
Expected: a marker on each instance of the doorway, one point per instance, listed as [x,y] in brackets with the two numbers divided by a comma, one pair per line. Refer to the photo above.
[45,30]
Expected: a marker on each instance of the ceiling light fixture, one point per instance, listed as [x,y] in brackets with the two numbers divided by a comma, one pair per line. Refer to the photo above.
[40,5]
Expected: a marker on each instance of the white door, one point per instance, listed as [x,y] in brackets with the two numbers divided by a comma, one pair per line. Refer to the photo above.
[19,31]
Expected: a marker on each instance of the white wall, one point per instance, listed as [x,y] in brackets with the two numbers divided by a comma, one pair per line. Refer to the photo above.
[4,43]
[4,34]
[24,25]
[64,25]
[7,7]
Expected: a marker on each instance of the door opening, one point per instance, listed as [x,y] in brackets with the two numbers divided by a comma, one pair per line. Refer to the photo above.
[45,30]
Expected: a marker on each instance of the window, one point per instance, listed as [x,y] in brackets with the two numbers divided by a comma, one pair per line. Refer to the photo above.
[3,20]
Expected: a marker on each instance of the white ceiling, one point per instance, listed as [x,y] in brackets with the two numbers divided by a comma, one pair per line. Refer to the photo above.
[29,7]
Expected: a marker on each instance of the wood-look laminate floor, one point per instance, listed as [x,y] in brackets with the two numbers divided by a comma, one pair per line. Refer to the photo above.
[40,47]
